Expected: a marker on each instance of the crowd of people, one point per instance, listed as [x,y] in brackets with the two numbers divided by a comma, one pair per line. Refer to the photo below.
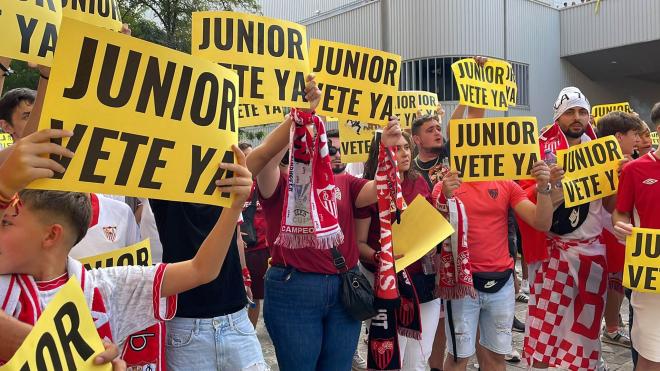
[301,219]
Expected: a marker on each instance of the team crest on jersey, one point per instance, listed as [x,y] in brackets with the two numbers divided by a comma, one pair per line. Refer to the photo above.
[493,193]
[327,196]
[110,233]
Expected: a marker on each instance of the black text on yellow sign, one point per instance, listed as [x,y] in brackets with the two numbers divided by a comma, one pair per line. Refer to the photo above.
[64,337]
[591,170]
[6,140]
[137,254]
[409,103]
[29,29]
[491,86]
[601,110]
[496,148]
[252,114]
[147,121]
[355,138]
[356,83]
[654,138]
[100,13]
[641,270]
[269,55]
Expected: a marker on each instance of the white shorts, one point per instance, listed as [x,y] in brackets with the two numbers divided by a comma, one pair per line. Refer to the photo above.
[645,332]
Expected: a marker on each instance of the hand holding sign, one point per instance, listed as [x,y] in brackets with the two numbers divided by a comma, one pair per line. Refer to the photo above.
[556,174]
[622,230]
[541,172]
[241,183]
[391,133]
[110,355]
[312,93]
[26,162]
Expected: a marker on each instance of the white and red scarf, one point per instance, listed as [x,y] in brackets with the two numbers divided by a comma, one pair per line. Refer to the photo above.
[310,209]
[554,139]
[20,298]
[566,306]
[453,262]
[383,337]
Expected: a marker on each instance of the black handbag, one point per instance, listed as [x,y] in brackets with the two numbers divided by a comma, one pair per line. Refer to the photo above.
[356,292]
[248,230]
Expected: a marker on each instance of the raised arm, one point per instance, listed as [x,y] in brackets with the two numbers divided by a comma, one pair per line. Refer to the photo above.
[206,264]
[263,161]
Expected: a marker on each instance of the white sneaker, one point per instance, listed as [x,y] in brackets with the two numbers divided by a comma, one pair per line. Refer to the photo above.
[524,286]
[359,363]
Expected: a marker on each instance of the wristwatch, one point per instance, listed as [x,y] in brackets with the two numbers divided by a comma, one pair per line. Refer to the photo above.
[544,191]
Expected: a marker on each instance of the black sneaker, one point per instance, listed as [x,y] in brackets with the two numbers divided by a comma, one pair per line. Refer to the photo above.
[517,325]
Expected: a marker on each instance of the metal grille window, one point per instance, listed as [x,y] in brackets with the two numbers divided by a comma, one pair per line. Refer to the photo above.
[434,74]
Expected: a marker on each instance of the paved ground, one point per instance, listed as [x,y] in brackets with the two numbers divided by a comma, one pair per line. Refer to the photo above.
[617,358]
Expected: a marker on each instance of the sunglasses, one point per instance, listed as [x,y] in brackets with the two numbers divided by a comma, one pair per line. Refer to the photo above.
[333,150]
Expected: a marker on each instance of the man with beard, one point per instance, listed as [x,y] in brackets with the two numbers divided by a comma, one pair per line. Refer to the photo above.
[568,272]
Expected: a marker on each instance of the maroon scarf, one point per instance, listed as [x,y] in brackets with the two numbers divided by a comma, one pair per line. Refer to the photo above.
[383,338]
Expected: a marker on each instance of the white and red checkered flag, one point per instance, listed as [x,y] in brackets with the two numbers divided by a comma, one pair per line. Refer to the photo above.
[566,306]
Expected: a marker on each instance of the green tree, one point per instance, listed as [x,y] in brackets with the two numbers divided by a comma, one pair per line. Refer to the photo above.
[168,22]
[24,77]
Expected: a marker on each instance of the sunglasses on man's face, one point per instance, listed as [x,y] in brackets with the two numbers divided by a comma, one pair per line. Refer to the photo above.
[333,150]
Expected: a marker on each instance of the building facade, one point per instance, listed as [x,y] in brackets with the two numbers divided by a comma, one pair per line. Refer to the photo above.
[610,49]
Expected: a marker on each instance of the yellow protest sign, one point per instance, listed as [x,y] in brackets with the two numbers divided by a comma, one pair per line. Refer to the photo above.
[270,55]
[641,271]
[421,229]
[137,254]
[147,121]
[495,148]
[64,337]
[355,138]
[29,29]
[356,83]
[6,140]
[603,109]
[591,170]
[409,102]
[491,86]
[100,13]
[253,115]
[654,138]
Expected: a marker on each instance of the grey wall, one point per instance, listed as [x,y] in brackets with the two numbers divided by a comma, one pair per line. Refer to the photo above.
[618,22]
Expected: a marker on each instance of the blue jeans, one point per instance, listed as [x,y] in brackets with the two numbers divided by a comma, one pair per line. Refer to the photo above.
[491,313]
[220,343]
[307,321]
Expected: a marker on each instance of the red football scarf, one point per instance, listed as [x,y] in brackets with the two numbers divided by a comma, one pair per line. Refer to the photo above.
[310,210]
[454,268]
[554,139]
[383,338]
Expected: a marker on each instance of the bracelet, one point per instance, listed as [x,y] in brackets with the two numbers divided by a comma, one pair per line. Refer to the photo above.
[544,191]
[6,70]
[247,280]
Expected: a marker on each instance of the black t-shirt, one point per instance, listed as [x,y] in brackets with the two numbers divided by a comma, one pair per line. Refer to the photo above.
[182,228]
[431,166]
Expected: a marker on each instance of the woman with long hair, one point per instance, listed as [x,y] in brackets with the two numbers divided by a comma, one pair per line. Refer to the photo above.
[417,318]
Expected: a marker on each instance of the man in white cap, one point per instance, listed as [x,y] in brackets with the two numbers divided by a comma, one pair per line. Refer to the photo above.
[568,284]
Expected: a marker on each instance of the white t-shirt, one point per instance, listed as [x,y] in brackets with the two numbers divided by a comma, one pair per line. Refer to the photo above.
[113,227]
[592,226]
[131,296]
[149,230]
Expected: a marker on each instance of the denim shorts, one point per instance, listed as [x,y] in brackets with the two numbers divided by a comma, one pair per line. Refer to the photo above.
[492,313]
[220,343]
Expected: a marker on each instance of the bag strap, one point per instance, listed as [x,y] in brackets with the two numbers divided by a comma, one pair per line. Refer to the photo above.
[338,260]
